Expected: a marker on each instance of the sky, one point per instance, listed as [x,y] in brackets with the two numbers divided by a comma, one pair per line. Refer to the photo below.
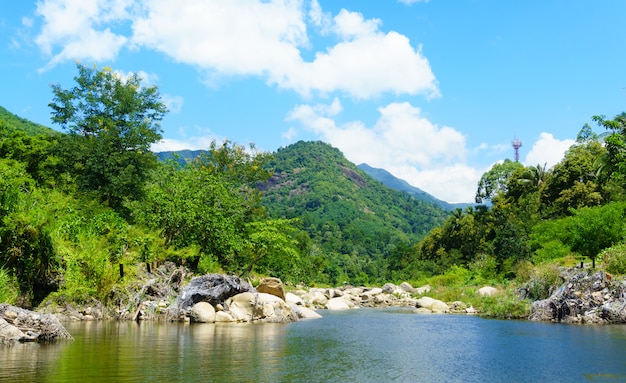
[433,91]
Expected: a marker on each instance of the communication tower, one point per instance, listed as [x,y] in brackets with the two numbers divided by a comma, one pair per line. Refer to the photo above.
[516,145]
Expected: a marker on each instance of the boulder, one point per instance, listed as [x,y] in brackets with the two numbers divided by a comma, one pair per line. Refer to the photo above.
[260,307]
[434,305]
[9,333]
[337,304]
[405,286]
[423,289]
[487,291]
[202,312]
[34,326]
[389,288]
[293,299]
[304,312]
[272,286]
[211,288]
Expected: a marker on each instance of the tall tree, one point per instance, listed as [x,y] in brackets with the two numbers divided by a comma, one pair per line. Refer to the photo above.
[112,121]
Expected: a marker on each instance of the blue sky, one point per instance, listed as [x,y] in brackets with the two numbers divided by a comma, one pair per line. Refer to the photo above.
[432,91]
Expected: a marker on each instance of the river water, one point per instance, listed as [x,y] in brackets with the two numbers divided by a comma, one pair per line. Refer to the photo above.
[364,345]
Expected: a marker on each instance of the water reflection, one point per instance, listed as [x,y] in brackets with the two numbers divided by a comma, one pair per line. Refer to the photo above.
[353,346]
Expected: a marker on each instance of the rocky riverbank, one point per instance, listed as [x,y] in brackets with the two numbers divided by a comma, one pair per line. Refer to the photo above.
[585,296]
[20,325]
[169,294]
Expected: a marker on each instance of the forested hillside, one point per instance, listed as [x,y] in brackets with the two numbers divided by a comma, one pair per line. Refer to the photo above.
[393,182]
[354,221]
[10,123]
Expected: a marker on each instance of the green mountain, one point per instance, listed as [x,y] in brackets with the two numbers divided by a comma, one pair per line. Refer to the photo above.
[343,209]
[10,123]
[393,182]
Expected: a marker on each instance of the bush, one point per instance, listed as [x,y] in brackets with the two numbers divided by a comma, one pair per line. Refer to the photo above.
[485,269]
[9,290]
[505,307]
[614,259]
[543,281]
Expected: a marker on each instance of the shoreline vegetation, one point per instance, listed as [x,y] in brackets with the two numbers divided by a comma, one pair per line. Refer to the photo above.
[171,293]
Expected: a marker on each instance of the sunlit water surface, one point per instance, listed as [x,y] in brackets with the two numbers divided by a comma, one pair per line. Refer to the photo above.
[365,345]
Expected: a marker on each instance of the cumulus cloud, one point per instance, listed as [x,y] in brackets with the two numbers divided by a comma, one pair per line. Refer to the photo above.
[403,142]
[77,28]
[547,150]
[263,38]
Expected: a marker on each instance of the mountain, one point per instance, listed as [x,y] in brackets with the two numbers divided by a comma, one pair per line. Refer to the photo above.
[182,156]
[10,123]
[341,207]
[391,181]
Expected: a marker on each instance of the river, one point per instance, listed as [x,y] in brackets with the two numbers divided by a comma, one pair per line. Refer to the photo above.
[363,345]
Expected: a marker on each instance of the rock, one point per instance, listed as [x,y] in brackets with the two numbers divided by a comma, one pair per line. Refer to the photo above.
[304,312]
[389,288]
[293,299]
[9,333]
[315,298]
[487,291]
[585,297]
[422,310]
[405,286]
[260,307]
[458,307]
[224,317]
[43,327]
[337,304]
[202,312]
[272,286]
[434,305]
[423,290]
[212,288]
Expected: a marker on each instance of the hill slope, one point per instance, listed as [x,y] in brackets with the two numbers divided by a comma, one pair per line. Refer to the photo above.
[10,123]
[393,182]
[344,211]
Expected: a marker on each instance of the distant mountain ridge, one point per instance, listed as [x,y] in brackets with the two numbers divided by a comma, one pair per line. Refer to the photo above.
[393,182]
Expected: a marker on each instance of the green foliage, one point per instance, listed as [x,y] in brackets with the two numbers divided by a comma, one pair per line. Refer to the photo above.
[9,288]
[112,121]
[593,229]
[614,259]
[504,307]
[11,123]
[353,221]
[495,180]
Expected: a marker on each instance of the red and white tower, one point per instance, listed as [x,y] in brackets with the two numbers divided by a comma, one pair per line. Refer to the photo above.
[516,145]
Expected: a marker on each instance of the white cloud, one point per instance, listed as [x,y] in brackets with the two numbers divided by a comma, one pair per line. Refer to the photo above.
[173,103]
[290,135]
[75,26]
[547,150]
[263,38]
[404,143]
[191,143]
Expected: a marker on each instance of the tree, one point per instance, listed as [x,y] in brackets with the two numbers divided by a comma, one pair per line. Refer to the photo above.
[615,143]
[495,180]
[209,203]
[112,121]
[592,230]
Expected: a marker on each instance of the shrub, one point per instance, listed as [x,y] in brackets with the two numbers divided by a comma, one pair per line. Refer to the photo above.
[615,259]
[9,290]
[505,307]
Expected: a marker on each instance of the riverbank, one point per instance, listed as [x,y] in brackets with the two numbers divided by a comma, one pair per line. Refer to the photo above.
[172,293]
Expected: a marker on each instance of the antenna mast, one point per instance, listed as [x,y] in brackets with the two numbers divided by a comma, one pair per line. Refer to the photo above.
[516,145]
